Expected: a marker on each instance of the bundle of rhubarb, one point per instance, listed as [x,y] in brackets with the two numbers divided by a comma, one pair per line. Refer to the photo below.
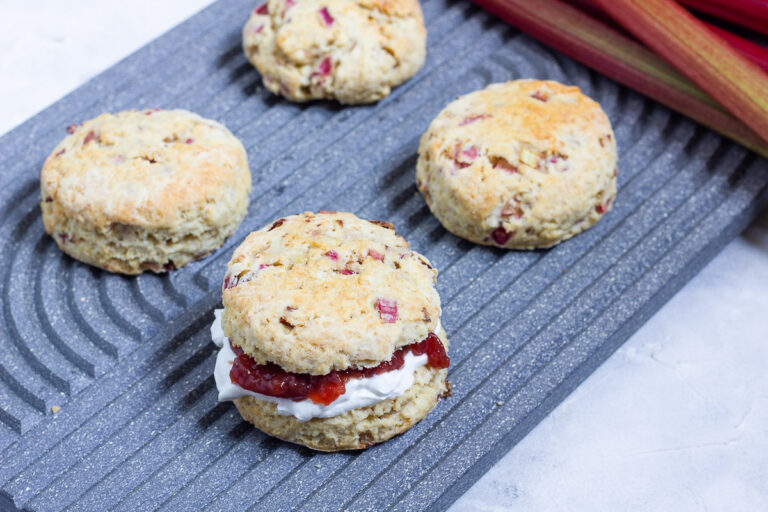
[704,72]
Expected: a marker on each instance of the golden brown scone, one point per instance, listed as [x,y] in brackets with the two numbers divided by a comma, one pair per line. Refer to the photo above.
[519,165]
[144,190]
[319,292]
[354,51]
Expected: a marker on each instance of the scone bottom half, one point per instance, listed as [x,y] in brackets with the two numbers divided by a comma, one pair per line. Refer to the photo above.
[524,164]
[148,190]
[321,343]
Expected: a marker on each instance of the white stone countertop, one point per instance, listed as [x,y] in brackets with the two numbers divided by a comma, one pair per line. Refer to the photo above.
[676,419]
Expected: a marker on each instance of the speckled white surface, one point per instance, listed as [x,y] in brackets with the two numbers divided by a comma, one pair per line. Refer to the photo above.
[675,420]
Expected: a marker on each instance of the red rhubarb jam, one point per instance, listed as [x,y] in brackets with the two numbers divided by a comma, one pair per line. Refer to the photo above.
[433,347]
[271,380]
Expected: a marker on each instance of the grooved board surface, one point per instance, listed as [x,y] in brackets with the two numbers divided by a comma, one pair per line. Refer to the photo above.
[130,361]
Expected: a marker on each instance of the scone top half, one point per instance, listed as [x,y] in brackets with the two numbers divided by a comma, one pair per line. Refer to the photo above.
[520,164]
[139,188]
[354,51]
[314,293]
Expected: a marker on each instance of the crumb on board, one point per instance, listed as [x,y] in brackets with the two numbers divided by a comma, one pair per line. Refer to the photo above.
[448,390]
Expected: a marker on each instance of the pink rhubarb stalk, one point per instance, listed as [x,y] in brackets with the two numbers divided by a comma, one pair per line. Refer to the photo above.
[747,13]
[750,50]
[596,45]
[708,61]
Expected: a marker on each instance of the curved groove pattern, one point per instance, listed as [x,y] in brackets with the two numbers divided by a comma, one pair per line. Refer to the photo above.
[137,385]
[146,290]
[112,288]
[80,354]
[174,293]
[16,415]
[23,196]
[30,342]
[101,341]
[143,429]
[21,378]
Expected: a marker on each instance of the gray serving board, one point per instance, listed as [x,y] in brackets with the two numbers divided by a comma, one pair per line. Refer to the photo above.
[130,362]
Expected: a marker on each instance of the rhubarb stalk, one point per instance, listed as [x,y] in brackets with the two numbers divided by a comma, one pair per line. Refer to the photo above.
[708,61]
[750,50]
[591,42]
[747,13]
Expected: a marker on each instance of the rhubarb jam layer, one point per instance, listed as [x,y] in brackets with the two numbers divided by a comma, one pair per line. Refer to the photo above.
[271,380]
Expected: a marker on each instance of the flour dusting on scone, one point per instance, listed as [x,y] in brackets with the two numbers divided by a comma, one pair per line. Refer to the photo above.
[521,165]
[330,332]
[144,190]
[354,51]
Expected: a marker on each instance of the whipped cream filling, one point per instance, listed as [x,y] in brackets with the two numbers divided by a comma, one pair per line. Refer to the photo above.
[359,392]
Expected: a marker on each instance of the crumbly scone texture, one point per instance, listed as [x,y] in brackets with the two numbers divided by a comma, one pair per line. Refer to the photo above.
[354,51]
[521,165]
[358,428]
[144,190]
[328,291]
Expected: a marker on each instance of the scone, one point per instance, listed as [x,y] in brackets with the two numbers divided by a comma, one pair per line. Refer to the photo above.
[330,334]
[520,165]
[144,190]
[352,50]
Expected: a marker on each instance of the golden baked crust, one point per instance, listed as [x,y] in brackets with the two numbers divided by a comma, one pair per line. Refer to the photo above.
[327,291]
[144,190]
[351,50]
[521,164]
[355,429]
[137,168]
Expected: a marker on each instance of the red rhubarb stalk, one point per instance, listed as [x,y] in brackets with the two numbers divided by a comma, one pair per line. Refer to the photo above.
[708,61]
[591,42]
[747,13]
[750,50]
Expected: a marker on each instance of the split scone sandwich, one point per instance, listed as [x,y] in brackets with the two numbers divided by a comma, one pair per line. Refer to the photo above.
[330,334]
